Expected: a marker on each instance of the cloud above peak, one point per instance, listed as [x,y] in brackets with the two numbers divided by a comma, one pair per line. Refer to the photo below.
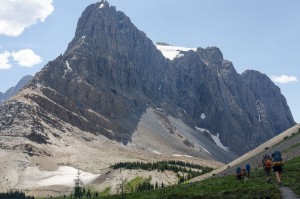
[16,15]
[24,58]
[4,60]
[283,79]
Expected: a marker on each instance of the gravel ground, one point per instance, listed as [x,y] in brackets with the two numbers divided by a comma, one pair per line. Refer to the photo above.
[287,193]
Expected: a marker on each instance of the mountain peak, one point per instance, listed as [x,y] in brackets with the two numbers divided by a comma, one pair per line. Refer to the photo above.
[212,54]
[103,4]
[100,23]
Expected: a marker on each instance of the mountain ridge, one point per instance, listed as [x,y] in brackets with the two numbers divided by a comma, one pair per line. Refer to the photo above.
[13,90]
[114,93]
[112,68]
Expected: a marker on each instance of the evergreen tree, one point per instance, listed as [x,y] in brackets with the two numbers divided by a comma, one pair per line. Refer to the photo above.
[88,194]
[78,190]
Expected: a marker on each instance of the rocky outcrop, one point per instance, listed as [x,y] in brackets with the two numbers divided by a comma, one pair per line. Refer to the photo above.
[111,72]
[274,113]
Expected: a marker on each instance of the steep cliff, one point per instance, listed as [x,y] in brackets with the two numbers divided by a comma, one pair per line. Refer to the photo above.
[111,73]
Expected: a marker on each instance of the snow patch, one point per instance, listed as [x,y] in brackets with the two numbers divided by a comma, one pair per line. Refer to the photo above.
[201,129]
[64,176]
[68,66]
[102,5]
[180,55]
[159,109]
[218,141]
[259,112]
[154,151]
[216,138]
[172,52]
[178,155]
[159,87]
[203,116]
[67,70]
[83,37]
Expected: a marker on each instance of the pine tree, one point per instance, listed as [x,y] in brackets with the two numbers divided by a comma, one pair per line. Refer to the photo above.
[88,194]
[78,186]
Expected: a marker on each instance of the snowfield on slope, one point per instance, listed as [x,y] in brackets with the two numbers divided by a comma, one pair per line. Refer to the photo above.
[215,138]
[171,52]
[64,175]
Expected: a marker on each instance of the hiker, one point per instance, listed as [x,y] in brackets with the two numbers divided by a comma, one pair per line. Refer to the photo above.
[267,164]
[240,173]
[248,168]
[277,163]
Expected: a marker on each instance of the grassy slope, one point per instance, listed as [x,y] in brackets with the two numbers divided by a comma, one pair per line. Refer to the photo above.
[229,187]
[226,187]
[215,188]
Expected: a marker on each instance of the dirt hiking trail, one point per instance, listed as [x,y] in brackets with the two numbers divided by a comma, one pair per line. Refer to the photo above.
[287,193]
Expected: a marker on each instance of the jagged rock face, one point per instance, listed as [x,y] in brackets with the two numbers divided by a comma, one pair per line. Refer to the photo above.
[110,67]
[111,72]
[268,96]
[116,54]
[207,84]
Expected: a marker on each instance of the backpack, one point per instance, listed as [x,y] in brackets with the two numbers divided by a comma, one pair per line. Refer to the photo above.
[267,163]
[238,171]
[248,167]
[277,160]
[243,171]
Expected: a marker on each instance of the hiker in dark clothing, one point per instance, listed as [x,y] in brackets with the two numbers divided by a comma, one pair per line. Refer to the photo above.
[267,164]
[240,173]
[248,168]
[277,163]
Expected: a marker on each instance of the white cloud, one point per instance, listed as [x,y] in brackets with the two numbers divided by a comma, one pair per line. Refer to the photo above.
[284,79]
[16,15]
[26,58]
[4,60]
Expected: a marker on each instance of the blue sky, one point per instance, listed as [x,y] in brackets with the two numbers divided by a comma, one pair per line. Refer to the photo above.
[259,35]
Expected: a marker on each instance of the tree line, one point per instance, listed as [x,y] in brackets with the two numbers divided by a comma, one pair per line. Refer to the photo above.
[191,170]
[15,195]
[175,166]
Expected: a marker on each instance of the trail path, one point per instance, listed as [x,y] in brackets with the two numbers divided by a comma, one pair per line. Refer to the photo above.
[287,193]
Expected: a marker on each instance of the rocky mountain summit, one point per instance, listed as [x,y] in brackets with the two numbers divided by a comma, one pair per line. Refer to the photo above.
[112,85]
[111,72]
[13,90]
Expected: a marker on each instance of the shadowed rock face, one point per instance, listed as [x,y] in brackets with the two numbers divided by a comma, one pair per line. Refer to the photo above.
[111,72]
[275,114]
